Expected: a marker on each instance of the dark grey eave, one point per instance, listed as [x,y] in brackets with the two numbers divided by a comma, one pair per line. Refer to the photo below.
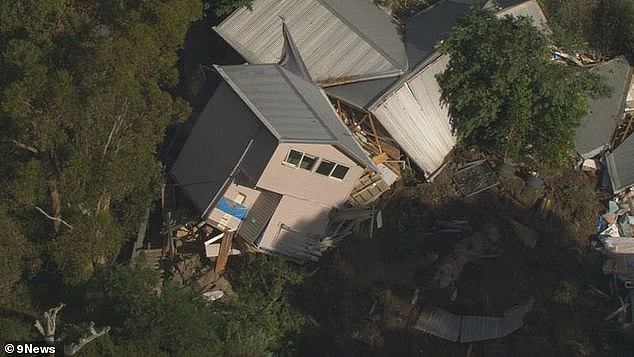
[620,165]
[361,94]
[597,128]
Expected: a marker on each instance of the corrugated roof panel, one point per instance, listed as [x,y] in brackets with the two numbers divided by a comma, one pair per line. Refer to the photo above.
[597,128]
[416,119]
[294,109]
[621,165]
[332,50]
[279,104]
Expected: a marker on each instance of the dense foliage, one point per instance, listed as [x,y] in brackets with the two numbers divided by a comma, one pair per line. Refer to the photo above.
[505,95]
[84,103]
[605,26]
[225,7]
[165,319]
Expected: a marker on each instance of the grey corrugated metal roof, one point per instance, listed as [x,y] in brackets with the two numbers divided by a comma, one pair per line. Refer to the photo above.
[293,109]
[375,25]
[597,128]
[219,139]
[621,165]
[530,9]
[259,215]
[426,29]
[340,41]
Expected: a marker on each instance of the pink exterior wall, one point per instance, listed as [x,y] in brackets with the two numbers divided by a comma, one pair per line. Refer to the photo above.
[308,218]
[308,185]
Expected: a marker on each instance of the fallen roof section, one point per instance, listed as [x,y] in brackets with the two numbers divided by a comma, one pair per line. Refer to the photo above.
[340,41]
[621,166]
[458,328]
[293,109]
[597,128]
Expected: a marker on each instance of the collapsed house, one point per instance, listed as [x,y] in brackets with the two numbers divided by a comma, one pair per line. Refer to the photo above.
[268,158]
[348,45]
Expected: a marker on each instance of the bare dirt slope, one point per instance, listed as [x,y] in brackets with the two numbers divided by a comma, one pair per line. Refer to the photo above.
[362,298]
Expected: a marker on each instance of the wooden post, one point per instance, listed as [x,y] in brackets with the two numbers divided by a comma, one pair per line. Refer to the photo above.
[223,254]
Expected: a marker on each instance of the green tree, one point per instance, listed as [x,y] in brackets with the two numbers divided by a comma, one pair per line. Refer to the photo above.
[506,96]
[264,320]
[225,7]
[145,316]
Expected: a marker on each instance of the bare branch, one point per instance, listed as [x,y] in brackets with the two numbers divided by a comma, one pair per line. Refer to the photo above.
[26,147]
[115,125]
[57,219]
[73,348]
[50,319]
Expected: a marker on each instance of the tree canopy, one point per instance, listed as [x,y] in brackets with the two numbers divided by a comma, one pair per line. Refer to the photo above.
[506,96]
[84,102]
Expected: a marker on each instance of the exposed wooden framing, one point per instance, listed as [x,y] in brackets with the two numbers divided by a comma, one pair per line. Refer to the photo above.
[376,136]
[365,117]
[225,249]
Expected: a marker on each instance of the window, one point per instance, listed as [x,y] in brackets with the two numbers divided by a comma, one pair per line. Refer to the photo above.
[329,168]
[299,159]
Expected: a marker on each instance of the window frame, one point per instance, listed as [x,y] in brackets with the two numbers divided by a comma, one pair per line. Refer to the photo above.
[315,159]
[334,167]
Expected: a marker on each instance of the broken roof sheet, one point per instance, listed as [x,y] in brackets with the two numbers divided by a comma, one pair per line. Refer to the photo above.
[597,128]
[340,41]
[621,165]
[457,328]
[293,109]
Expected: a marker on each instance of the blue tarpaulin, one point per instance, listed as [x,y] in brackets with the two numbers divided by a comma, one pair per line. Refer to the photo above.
[232,208]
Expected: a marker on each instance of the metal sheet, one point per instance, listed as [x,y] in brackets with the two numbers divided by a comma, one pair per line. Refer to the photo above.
[620,165]
[333,48]
[414,116]
[597,128]
[292,108]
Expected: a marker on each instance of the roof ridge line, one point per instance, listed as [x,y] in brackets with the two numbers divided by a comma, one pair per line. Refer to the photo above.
[359,33]
[246,101]
[284,74]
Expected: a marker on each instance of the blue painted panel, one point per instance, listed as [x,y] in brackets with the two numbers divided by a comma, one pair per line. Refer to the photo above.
[232,208]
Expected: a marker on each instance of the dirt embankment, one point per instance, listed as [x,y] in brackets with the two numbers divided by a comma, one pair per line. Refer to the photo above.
[477,255]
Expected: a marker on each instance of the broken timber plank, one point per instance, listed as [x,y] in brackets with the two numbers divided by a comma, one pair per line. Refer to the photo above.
[223,254]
